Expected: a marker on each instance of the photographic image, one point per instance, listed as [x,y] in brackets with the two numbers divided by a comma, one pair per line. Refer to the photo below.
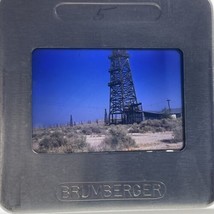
[102,100]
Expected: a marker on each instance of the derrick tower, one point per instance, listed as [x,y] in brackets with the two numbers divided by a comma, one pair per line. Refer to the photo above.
[123,108]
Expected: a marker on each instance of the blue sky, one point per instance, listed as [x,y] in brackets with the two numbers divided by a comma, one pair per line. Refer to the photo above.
[67,81]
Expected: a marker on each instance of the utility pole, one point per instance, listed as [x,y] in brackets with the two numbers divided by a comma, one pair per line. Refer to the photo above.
[169,107]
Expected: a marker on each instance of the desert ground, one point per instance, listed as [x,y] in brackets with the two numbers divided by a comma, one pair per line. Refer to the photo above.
[150,135]
[146,142]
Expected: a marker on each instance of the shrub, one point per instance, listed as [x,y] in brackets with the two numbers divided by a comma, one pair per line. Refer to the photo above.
[56,139]
[159,129]
[134,128]
[178,133]
[61,142]
[86,130]
[76,144]
[161,125]
[147,129]
[131,130]
[117,139]
[44,144]
[96,129]
[153,123]
[89,129]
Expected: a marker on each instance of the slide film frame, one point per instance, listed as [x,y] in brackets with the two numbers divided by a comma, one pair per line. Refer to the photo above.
[74,116]
[37,182]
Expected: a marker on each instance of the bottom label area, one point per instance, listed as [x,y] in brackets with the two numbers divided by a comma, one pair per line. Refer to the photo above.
[90,191]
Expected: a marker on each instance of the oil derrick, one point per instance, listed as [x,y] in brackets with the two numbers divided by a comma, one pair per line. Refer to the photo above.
[106,117]
[123,108]
[71,121]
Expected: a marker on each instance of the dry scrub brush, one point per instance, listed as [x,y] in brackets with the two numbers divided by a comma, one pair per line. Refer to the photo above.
[58,142]
[117,140]
[153,126]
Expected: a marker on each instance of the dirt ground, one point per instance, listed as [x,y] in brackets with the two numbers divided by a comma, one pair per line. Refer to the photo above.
[148,141]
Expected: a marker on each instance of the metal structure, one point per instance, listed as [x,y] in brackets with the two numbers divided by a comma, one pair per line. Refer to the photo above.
[123,108]
[106,117]
[71,120]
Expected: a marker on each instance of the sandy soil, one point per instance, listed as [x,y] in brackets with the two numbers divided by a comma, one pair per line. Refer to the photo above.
[147,141]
